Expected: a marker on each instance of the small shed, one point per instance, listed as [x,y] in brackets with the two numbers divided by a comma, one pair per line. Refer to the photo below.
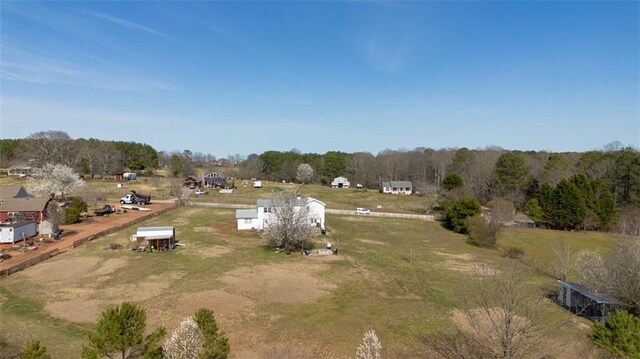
[157,237]
[581,301]
[17,231]
[129,176]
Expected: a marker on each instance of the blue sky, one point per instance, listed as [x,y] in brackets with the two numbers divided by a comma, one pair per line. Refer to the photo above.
[246,77]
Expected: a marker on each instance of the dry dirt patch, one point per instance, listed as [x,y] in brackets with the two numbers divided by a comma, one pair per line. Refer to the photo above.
[78,311]
[202,229]
[281,283]
[68,269]
[150,286]
[226,227]
[476,268]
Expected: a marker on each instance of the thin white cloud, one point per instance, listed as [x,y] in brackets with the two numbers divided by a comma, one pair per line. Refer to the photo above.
[126,23]
[20,64]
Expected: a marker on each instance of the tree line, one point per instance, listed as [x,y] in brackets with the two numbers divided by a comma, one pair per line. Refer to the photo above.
[89,156]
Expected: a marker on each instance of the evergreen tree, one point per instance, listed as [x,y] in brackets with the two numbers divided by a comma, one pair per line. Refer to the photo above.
[511,176]
[568,210]
[534,211]
[216,344]
[33,350]
[120,333]
[451,181]
[457,211]
[619,335]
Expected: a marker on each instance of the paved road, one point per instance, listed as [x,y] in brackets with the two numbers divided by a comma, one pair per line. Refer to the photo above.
[426,217]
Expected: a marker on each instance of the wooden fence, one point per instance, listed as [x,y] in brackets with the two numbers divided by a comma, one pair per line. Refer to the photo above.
[81,241]
[28,263]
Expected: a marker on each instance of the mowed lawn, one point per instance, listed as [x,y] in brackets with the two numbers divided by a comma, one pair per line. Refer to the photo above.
[403,278]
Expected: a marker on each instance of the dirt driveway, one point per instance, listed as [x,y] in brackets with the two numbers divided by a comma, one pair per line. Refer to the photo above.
[74,232]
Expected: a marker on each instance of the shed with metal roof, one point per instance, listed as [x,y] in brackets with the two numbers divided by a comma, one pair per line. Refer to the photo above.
[584,302]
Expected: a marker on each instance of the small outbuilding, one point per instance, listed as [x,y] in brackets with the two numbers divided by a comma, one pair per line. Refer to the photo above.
[156,237]
[17,231]
[581,301]
[129,176]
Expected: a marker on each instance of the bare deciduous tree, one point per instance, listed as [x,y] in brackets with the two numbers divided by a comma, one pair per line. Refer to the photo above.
[176,189]
[505,322]
[288,221]
[628,223]
[564,260]
[305,173]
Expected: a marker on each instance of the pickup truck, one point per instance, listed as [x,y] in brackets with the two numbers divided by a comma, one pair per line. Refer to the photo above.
[107,209]
[135,198]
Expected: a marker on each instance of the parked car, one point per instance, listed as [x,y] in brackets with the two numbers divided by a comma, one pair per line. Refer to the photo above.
[200,191]
[363,211]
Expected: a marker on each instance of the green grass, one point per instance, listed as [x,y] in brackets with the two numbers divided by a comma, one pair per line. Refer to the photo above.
[392,275]
[343,198]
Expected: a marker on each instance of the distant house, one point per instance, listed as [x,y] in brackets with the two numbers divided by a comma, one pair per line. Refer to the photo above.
[261,217]
[586,303]
[20,170]
[396,187]
[192,180]
[340,182]
[213,180]
[156,237]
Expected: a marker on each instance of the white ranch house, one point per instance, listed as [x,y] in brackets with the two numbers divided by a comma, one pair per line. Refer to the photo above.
[340,182]
[397,187]
[260,217]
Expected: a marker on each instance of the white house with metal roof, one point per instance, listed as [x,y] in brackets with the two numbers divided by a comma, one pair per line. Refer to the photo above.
[396,187]
[260,217]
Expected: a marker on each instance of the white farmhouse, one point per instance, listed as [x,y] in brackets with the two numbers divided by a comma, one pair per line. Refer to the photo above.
[259,218]
[396,187]
[340,182]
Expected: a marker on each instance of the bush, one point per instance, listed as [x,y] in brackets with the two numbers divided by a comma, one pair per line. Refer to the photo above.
[481,232]
[71,215]
[513,253]
[79,204]
[457,211]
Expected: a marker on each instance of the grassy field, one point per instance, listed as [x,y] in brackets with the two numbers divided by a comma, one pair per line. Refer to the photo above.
[343,198]
[402,278]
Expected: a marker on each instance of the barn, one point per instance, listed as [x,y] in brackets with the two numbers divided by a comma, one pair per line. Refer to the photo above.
[17,231]
[156,237]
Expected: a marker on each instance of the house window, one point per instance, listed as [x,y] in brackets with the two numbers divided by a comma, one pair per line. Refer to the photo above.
[247,221]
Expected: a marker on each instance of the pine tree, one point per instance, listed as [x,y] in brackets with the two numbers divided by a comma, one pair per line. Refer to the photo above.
[216,344]
[120,331]
[619,335]
[33,350]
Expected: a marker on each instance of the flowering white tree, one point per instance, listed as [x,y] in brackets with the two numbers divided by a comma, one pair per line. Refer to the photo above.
[289,227]
[370,347]
[54,178]
[185,341]
[305,173]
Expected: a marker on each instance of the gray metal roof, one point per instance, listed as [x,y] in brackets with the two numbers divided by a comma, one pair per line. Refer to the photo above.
[397,184]
[269,202]
[246,213]
[17,224]
[598,298]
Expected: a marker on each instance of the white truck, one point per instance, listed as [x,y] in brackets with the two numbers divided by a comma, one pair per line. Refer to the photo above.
[257,184]
[135,198]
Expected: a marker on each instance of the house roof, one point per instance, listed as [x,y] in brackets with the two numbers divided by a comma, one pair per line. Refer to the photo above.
[598,298]
[340,178]
[269,202]
[13,191]
[29,204]
[396,184]
[246,213]
[155,232]
[212,174]
[21,167]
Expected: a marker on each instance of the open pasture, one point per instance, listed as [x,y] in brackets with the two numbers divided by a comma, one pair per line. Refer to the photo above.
[403,278]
